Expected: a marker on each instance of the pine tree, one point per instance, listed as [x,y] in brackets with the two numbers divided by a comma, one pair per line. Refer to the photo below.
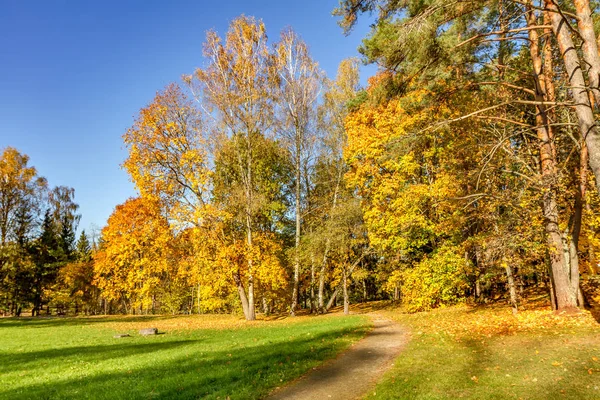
[47,254]
[66,238]
[83,248]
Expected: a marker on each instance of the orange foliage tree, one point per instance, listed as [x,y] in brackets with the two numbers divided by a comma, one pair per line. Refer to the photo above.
[137,265]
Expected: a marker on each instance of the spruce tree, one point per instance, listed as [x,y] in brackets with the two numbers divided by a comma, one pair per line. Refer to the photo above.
[83,248]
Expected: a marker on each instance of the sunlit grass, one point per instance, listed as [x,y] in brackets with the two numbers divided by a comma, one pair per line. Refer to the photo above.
[487,353]
[197,357]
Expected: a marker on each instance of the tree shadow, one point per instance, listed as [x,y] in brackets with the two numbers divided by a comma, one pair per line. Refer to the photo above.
[10,362]
[484,368]
[44,322]
[181,371]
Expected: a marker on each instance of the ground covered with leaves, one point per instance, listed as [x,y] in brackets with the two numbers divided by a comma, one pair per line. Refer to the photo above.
[213,356]
[485,352]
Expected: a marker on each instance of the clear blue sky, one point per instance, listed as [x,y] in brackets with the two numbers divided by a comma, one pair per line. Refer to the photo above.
[73,75]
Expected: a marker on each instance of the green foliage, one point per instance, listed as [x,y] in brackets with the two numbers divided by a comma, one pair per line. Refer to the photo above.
[83,248]
[272,180]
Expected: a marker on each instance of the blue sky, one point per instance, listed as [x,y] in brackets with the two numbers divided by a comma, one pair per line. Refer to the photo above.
[74,74]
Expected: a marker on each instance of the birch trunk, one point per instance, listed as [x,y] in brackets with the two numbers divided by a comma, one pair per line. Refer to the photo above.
[511,287]
[297,234]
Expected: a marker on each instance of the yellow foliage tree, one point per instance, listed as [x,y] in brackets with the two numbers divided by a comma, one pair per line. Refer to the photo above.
[136,257]
[168,156]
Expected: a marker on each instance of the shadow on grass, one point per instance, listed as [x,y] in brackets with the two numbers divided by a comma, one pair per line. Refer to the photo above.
[186,373]
[44,322]
[493,368]
[10,362]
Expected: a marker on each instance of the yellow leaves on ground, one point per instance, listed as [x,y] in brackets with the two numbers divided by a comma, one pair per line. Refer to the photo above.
[204,321]
[467,322]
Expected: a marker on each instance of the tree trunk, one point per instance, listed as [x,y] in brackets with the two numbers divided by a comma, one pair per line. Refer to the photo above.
[323,309]
[511,287]
[364,288]
[265,305]
[312,286]
[477,290]
[592,262]
[560,253]
[575,223]
[589,47]
[242,294]
[321,294]
[346,299]
[578,90]
[198,299]
[250,312]
[580,298]
[347,274]
[552,292]
[332,299]
[297,234]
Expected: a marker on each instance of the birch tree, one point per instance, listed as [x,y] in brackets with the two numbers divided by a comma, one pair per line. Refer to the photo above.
[235,88]
[299,82]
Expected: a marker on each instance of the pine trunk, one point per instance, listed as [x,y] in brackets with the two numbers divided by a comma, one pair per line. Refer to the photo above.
[579,91]
[560,253]
[589,47]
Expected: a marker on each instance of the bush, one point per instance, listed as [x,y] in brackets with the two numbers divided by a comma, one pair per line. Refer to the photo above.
[438,280]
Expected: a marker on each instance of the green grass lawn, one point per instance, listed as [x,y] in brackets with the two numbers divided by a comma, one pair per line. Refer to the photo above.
[214,357]
[487,353]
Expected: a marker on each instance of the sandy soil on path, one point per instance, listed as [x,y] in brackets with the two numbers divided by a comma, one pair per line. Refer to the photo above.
[353,373]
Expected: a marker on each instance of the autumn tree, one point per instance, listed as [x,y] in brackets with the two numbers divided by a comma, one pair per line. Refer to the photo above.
[168,154]
[21,195]
[75,283]
[299,82]
[20,192]
[272,174]
[479,45]
[330,168]
[235,87]
[134,261]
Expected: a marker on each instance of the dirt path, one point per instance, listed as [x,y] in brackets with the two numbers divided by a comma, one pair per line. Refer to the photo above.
[354,372]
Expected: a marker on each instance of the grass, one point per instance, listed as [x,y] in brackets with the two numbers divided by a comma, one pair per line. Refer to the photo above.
[213,357]
[487,353]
